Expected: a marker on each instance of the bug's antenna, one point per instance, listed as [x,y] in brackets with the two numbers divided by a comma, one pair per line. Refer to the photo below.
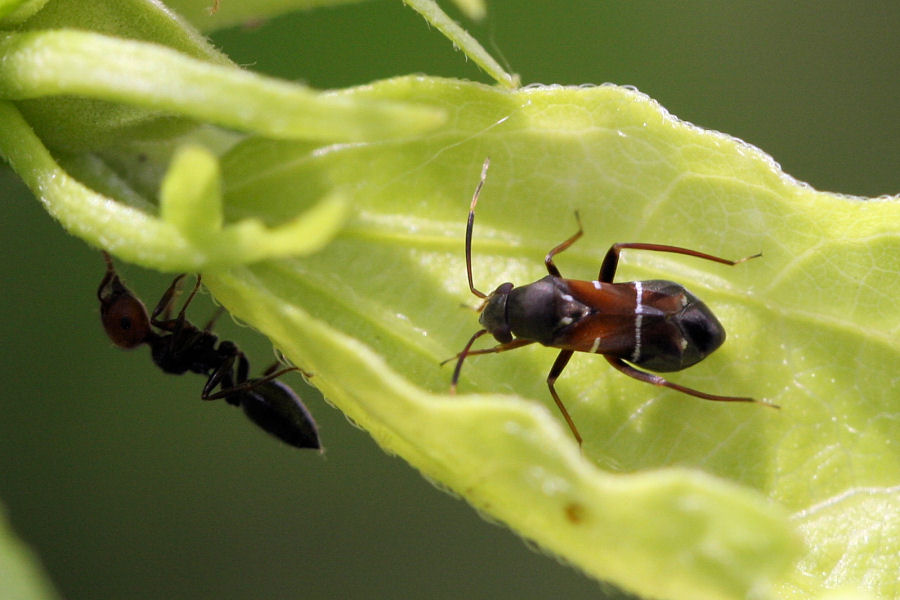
[470,224]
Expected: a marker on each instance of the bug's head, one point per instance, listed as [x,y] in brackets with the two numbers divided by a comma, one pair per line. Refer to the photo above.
[123,315]
[493,314]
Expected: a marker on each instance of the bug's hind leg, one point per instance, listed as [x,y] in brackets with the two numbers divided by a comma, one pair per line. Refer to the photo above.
[652,379]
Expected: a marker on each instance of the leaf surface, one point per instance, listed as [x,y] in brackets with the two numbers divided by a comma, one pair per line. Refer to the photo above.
[674,497]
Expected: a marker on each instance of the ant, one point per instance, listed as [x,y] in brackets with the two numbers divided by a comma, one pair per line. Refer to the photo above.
[180,347]
[655,324]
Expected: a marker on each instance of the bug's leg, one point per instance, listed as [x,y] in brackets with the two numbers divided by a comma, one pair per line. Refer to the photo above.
[223,372]
[518,343]
[467,352]
[164,306]
[212,320]
[462,356]
[250,384]
[548,260]
[657,380]
[229,379]
[279,368]
[111,279]
[555,371]
[611,260]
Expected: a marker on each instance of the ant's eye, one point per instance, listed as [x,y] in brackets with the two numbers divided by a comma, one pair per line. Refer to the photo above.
[125,321]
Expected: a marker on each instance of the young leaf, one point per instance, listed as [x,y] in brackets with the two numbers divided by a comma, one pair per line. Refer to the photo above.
[461,39]
[20,574]
[154,77]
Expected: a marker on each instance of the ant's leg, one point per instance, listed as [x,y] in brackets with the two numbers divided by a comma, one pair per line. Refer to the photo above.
[234,383]
[611,261]
[226,375]
[279,364]
[212,320]
[548,260]
[251,384]
[555,371]
[164,306]
[657,380]
[111,279]
[189,299]
[467,352]
[274,367]
[243,366]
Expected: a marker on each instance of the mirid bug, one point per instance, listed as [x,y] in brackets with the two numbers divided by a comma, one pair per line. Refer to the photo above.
[179,347]
[656,324]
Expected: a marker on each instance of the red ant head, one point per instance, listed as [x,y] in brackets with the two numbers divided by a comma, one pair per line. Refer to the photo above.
[124,317]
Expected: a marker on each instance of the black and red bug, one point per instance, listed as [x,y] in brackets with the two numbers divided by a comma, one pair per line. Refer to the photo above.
[178,347]
[656,324]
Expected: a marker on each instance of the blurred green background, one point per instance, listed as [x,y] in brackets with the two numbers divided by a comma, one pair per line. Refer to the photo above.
[128,486]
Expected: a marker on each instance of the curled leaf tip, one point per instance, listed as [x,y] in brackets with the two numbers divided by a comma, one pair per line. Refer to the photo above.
[191,201]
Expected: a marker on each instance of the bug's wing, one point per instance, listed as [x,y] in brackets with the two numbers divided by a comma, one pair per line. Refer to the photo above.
[609,328]
[655,324]
[277,409]
[601,334]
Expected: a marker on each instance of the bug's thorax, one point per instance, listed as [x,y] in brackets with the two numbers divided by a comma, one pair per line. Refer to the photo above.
[537,311]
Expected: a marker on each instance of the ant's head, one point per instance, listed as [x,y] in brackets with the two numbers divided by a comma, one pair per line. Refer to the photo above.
[124,317]
[493,314]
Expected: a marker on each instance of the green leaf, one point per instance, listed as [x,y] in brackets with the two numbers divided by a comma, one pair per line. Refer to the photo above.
[811,327]
[474,9]
[208,15]
[77,63]
[672,497]
[16,11]
[189,233]
[21,577]
[461,39]
[76,123]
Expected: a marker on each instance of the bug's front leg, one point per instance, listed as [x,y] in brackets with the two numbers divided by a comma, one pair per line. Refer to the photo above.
[518,343]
